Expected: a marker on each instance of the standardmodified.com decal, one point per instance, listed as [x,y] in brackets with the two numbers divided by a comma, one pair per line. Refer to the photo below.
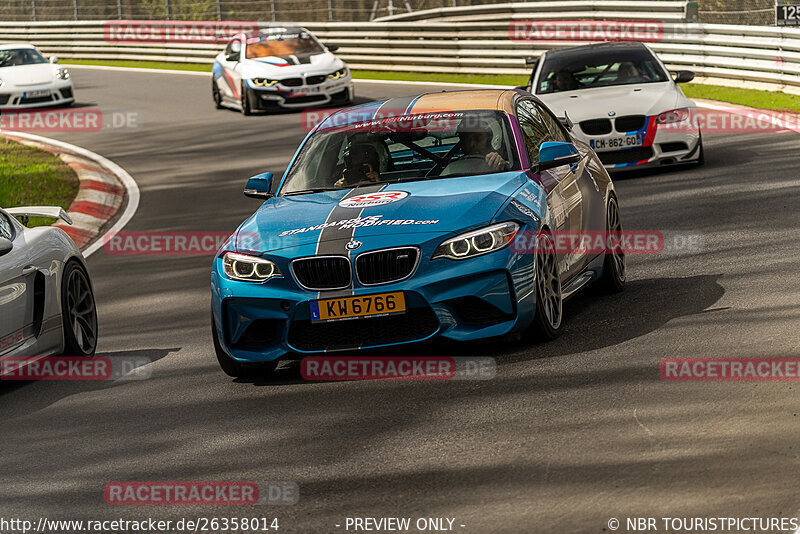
[358,222]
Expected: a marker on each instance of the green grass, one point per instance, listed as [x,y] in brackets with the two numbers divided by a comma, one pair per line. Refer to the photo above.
[746,97]
[33,177]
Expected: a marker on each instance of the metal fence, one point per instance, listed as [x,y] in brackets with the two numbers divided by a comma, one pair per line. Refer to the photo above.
[750,12]
[746,56]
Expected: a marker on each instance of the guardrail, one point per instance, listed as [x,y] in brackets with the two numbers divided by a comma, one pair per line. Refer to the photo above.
[664,10]
[743,56]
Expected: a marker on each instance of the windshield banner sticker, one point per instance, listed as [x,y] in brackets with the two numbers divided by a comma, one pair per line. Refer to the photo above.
[358,222]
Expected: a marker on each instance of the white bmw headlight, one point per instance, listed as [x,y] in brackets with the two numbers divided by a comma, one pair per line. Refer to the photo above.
[341,73]
[248,268]
[62,73]
[263,82]
[478,242]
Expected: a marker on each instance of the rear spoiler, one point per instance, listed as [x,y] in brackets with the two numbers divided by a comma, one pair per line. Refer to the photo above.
[51,212]
[566,122]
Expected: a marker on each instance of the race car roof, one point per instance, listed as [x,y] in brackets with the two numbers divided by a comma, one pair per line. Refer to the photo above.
[596,48]
[443,101]
[15,46]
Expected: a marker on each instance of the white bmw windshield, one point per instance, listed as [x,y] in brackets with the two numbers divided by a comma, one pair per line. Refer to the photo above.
[585,69]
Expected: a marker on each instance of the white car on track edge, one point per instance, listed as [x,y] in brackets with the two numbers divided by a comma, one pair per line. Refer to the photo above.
[47,304]
[28,80]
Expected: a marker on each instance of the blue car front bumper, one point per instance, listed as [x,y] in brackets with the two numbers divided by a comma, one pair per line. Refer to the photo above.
[481,297]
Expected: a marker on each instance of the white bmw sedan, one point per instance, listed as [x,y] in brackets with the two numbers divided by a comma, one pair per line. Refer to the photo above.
[623,102]
[28,80]
[279,68]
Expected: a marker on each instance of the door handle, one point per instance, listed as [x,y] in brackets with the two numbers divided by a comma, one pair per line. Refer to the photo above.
[29,269]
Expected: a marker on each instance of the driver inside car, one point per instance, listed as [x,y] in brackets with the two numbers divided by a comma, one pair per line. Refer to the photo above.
[475,139]
[361,166]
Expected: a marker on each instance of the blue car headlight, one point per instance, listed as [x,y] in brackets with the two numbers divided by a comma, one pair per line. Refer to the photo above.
[248,268]
[478,242]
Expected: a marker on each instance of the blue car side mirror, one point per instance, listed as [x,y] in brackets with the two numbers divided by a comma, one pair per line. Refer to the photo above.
[554,154]
[258,186]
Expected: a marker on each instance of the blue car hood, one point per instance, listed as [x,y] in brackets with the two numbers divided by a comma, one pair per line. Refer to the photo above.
[440,205]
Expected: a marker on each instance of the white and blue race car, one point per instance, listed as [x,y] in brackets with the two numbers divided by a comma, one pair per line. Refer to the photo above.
[279,68]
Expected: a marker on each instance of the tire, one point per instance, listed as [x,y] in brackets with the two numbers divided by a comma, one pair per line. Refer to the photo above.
[614,269]
[247,110]
[216,96]
[237,369]
[547,321]
[78,311]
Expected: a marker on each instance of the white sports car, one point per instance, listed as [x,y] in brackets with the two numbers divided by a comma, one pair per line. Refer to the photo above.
[624,102]
[47,304]
[28,80]
[279,68]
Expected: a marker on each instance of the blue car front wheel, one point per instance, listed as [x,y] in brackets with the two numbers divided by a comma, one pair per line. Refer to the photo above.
[235,368]
[549,300]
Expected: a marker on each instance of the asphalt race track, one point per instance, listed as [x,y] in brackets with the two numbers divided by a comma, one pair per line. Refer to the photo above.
[568,435]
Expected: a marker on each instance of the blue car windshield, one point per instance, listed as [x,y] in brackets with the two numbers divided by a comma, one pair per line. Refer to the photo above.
[404,148]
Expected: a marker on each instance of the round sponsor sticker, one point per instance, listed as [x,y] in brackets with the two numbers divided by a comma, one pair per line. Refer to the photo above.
[373,199]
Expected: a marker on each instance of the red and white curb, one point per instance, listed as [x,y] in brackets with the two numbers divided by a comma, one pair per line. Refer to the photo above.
[104,189]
